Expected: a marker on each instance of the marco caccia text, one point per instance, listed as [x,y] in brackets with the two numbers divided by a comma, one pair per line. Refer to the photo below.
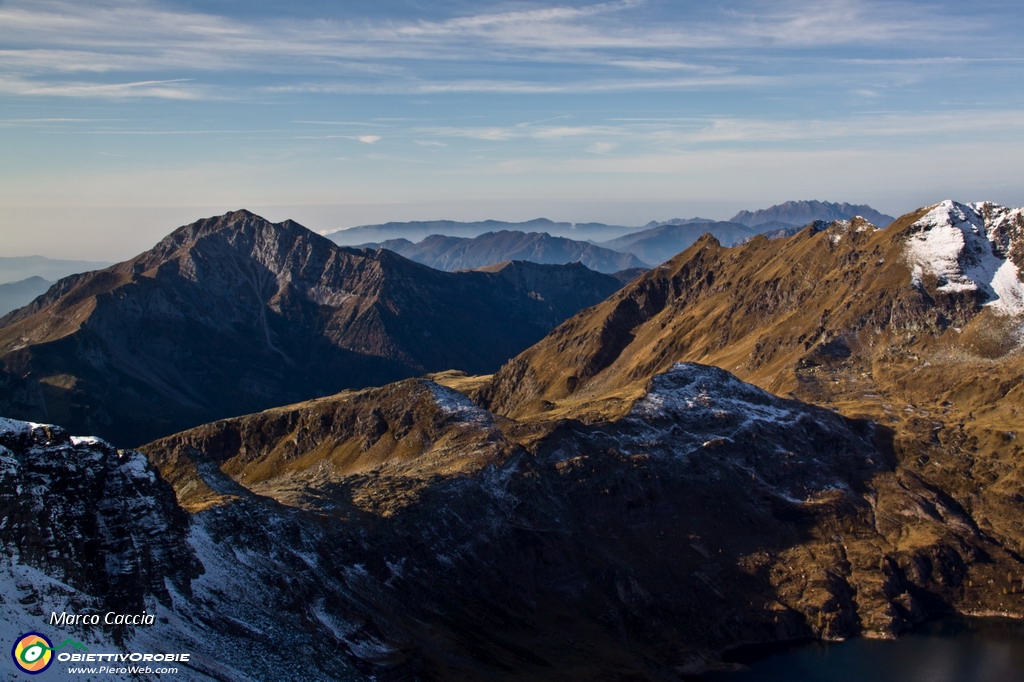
[64,619]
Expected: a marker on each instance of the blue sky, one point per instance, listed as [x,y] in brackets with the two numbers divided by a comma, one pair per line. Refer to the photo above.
[122,119]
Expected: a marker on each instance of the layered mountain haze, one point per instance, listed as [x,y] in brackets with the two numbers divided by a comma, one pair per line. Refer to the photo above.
[235,314]
[463,253]
[415,231]
[17,268]
[658,244]
[14,295]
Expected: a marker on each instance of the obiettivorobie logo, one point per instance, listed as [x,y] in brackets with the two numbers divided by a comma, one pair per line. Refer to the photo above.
[33,652]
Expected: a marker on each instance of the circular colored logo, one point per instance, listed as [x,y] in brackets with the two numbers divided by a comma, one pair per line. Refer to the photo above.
[33,653]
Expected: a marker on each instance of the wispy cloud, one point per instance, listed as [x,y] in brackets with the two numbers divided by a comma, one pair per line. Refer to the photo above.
[175,88]
[657,65]
[47,38]
[602,147]
[361,124]
[700,132]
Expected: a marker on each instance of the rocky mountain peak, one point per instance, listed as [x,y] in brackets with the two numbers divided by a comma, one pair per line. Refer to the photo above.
[283,248]
[233,314]
[976,247]
[804,212]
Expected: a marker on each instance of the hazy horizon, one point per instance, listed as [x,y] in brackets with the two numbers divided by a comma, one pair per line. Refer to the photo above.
[93,232]
[123,119]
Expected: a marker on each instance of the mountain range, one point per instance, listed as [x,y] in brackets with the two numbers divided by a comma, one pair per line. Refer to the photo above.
[798,213]
[465,253]
[788,214]
[418,230]
[404,531]
[235,314]
[657,244]
[808,437]
[14,295]
[17,268]
[777,312]
[450,245]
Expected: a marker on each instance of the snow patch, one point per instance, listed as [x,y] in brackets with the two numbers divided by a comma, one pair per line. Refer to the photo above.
[712,393]
[837,230]
[135,464]
[21,429]
[88,440]
[15,427]
[459,406]
[960,246]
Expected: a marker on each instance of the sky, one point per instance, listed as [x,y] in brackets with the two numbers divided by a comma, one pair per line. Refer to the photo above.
[122,119]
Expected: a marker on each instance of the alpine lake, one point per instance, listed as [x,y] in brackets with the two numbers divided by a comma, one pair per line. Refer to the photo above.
[958,650]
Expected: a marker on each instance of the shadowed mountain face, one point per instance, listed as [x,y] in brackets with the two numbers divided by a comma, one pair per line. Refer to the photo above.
[460,253]
[234,314]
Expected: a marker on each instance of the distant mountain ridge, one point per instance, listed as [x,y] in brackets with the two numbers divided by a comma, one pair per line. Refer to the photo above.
[652,243]
[466,253]
[676,221]
[234,314]
[415,231]
[800,213]
[17,268]
[659,243]
[14,295]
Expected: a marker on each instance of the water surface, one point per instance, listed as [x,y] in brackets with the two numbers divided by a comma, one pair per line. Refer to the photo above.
[972,650]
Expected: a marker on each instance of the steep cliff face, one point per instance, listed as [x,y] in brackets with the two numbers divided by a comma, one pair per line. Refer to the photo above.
[86,528]
[234,314]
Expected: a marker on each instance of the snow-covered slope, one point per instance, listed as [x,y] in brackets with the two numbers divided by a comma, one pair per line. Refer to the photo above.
[971,247]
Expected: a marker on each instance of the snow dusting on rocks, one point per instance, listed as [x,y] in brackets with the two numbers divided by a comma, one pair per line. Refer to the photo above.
[709,395]
[459,406]
[967,247]
[704,414]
